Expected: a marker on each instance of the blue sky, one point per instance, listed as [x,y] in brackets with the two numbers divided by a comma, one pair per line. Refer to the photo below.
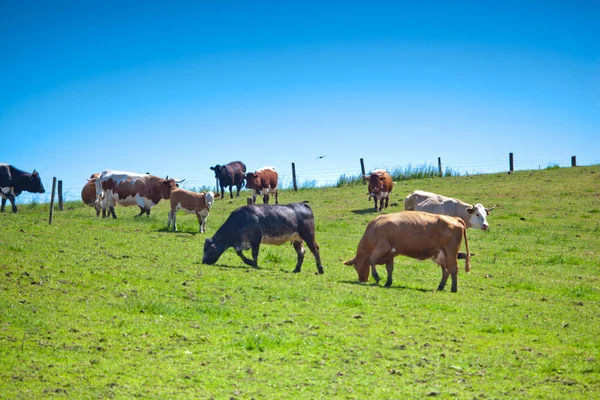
[172,88]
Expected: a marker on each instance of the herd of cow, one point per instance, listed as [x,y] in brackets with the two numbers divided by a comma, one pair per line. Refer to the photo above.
[431,227]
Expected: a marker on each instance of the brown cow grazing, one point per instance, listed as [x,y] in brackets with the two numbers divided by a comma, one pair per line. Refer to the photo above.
[130,189]
[263,182]
[88,194]
[191,202]
[413,234]
[380,187]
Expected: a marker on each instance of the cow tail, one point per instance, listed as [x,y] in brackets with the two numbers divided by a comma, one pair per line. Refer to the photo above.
[468,258]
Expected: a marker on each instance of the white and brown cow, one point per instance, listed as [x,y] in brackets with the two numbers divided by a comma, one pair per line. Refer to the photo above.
[413,234]
[88,194]
[130,189]
[191,203]
[473,215]
[380,187]
[263,182]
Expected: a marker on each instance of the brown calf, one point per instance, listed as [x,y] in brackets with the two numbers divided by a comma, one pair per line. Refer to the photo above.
[380,187]
[263,182]
[192,203]
[413,234]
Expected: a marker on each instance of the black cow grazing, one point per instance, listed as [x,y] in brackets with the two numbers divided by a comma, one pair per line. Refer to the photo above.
[230,175]
[249,226]
[13,181]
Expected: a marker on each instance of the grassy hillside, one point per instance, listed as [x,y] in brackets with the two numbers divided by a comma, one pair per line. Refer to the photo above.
[93,308]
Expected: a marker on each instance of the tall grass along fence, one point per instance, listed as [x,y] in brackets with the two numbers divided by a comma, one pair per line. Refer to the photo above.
[310,179]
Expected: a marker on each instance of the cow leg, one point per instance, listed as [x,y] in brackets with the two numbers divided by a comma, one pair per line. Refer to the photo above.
[375,201]
[387,200]
[266,199]
[445,275]
[10,198]
[300,251]
[201,221]
[239,187]
[276,197]
[309,239]
[222,191]
[112,211]
[389,266]
[231,191]
[173,220]
[245,259]
[381,250]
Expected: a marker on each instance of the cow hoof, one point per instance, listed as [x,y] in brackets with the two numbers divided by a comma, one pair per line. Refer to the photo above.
[297,270]
[320,271]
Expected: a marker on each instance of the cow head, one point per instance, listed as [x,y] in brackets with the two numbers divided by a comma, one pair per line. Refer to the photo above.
[478,214]
[166,185]
[218,170]
[35,183]
[212,252]
[376,181]
[252,180]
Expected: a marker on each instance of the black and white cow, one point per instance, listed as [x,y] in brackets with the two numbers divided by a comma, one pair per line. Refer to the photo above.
[249,226]
[13,181]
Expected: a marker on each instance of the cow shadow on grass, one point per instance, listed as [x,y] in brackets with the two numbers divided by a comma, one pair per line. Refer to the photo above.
[393,287]
[170,231]
[369,210]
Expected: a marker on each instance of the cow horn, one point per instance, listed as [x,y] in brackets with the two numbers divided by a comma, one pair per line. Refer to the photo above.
[176,181]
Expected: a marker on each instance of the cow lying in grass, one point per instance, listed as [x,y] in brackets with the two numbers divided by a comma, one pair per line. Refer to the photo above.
[413,234]
[473,215]
[192,203]
[249,226]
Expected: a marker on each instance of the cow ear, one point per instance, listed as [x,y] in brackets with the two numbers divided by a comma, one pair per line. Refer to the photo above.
[470,210]
[212,168]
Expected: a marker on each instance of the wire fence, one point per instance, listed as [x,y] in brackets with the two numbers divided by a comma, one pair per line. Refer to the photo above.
[311,177]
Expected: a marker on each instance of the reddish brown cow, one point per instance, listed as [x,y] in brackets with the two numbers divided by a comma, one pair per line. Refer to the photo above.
[130,189]
[263,182]
[192,203]
[413,234]
[380,187]
[88,194]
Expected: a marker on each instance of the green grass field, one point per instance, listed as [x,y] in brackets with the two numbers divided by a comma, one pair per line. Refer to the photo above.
[103,308]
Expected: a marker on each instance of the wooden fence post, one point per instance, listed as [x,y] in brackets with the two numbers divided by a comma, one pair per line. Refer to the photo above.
[217,185]
[294,177]
[362,168]
[511,164]
[573,161]
[52,200]
[440,166]
[60,196]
